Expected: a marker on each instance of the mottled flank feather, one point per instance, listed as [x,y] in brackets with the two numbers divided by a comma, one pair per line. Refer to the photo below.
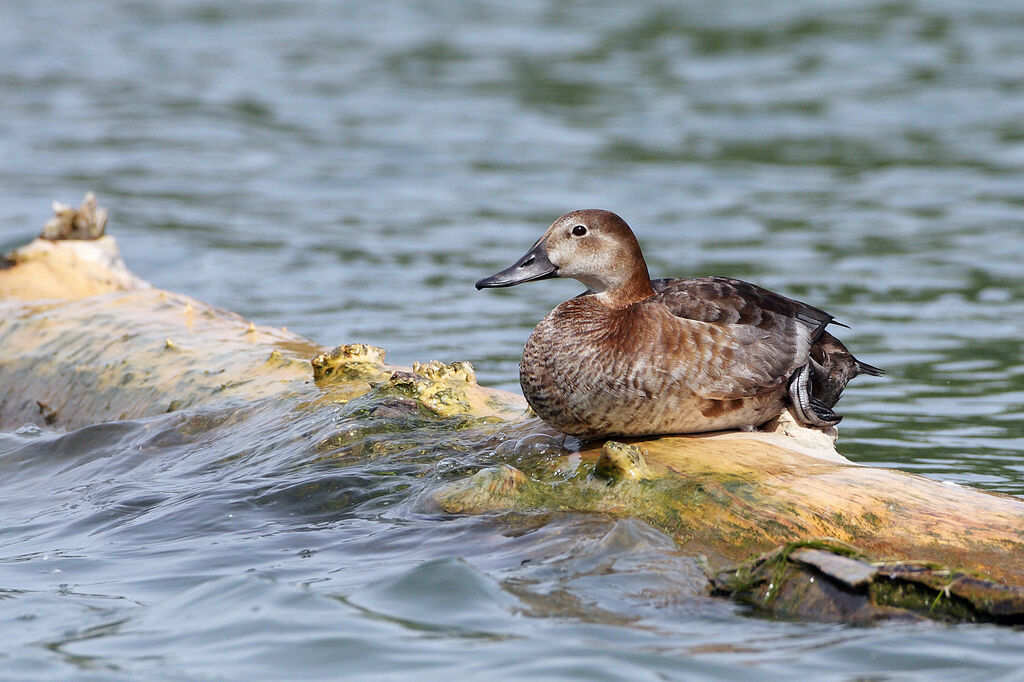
[763,337]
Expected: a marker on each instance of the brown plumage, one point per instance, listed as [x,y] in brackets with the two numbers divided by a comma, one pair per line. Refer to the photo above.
[632,356]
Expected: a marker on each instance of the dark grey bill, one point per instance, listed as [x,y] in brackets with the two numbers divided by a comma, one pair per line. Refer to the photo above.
[534,265]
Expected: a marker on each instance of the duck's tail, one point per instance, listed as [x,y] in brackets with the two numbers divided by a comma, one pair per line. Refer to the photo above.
[815,388]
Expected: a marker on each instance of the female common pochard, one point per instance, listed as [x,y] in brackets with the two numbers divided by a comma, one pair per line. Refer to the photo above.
[632,356]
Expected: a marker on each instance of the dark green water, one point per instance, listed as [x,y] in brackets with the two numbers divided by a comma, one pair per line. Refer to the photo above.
[350,169]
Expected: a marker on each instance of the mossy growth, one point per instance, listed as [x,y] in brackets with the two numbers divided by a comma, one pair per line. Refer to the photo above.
[937,604]
[769,570]
[621,461]
[782,582]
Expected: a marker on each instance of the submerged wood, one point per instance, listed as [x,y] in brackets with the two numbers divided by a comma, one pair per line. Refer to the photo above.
[783,520]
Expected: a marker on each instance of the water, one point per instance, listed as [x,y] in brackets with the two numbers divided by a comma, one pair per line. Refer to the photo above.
[350,169]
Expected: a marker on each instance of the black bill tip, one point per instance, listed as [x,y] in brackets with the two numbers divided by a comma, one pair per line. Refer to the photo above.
[532,266]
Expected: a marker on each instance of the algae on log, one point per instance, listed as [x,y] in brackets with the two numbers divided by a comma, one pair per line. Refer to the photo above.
[82,340]
[730,496]
[734,495]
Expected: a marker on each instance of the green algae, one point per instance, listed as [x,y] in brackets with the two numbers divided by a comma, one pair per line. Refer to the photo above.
[619,461]
[788,581]
[776,584]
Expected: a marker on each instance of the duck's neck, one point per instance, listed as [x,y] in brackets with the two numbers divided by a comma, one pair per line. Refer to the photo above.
[626,293]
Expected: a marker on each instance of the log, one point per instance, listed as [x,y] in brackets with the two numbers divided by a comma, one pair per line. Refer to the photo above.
[85,341]
[781,519]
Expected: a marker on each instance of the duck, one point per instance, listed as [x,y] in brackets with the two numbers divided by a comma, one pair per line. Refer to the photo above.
[633,357]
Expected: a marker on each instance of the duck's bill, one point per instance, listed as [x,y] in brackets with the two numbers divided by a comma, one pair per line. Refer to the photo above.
[534,265]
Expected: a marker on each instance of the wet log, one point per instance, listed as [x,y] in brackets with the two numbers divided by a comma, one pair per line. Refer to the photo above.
[85,341]
[783,521]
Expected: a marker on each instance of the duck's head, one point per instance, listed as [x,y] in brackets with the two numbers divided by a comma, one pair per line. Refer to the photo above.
[593,246]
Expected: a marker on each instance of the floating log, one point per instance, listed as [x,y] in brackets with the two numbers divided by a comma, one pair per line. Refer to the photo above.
[781,519]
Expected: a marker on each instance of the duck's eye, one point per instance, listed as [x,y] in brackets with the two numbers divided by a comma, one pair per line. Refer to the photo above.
[579,230]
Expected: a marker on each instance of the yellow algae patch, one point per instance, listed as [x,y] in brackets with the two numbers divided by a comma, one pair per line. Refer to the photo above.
[351,362]
[438,371]
[618,460]
[452,389]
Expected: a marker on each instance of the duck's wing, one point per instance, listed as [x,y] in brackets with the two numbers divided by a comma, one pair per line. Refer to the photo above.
[738,338]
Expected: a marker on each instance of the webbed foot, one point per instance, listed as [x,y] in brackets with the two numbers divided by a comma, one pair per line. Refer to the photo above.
[809,410]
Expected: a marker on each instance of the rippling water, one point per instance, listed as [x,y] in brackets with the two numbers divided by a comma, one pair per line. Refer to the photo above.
[350,169]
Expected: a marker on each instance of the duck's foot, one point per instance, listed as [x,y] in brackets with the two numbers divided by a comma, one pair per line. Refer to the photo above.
[809,410]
